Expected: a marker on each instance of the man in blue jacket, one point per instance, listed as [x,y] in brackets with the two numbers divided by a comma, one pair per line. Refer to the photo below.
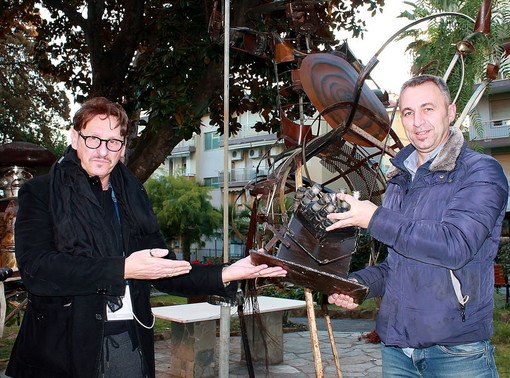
[441,220]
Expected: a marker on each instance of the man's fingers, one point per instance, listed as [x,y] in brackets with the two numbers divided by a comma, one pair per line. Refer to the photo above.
[342,300]
[158,252]
[272,272]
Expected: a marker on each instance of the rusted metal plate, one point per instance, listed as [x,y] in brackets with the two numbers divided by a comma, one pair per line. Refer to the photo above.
[331,252]
[329,80]
[313,279]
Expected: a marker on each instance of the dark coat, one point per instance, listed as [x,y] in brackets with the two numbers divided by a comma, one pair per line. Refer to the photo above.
[448,219]
[62,327]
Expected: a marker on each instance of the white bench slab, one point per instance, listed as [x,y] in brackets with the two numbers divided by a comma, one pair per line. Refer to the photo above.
[198,312]
[194,333]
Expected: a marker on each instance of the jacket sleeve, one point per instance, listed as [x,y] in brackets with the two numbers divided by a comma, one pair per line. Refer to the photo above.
[202,280]
[374,277]
[466,223]
[45,271]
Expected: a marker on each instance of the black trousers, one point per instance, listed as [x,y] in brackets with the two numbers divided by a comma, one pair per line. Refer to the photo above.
[119,360]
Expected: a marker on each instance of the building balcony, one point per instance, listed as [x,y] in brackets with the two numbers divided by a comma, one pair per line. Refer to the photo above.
[493,133]
[239,177]
[184,148]
[245,139]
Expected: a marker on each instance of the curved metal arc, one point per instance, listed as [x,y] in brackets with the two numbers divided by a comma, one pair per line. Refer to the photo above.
[455,59]
[472,102]
[416,22]
[462,76]
[373,62]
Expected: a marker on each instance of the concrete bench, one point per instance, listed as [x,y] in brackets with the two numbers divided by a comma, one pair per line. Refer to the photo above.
[193,340]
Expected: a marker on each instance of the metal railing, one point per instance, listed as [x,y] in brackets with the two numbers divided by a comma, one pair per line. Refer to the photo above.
[242,174]
[492,129]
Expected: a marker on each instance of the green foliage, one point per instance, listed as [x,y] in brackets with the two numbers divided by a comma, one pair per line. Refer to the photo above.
[289,291]
[368,252]
[32,108]
[501,328]
[240,221]
[183,210]
[503,256]
[501,337]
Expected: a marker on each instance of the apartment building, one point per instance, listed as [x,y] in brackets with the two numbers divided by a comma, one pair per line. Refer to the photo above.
[202,159]
[489,128]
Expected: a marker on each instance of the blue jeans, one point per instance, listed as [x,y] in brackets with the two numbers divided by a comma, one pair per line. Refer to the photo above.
[459,361]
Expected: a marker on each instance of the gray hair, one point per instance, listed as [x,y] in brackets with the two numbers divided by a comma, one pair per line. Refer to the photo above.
[419,80]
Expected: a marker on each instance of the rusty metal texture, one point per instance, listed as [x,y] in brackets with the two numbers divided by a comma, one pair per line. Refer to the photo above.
[8,208]
[328,80]
[312,278]
[25,154]
[332,253]
[506,48]
[483,19]
[294,134]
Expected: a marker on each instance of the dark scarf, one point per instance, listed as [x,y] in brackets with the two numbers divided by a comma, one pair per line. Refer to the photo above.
[79,225]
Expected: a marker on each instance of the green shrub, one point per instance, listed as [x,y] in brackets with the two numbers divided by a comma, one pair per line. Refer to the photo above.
[503,256]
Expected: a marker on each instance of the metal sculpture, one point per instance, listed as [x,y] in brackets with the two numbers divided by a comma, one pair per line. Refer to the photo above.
[313,257]
[334,84]
[329,86]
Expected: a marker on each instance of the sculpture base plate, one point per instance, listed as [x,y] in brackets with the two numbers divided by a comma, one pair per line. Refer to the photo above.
[313,279]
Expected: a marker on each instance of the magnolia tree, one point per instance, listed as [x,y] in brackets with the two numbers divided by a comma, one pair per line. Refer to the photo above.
[160,57]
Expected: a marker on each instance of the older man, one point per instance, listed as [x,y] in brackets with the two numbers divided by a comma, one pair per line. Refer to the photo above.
[89,248]
[441,219]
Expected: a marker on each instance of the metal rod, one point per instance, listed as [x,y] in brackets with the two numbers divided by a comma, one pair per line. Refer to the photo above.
[224,344]
[475,97]
[224,349]
[331,335]
[310,310]
[453,62]
[314,337]
[244,338]
[3,307]
[226,118]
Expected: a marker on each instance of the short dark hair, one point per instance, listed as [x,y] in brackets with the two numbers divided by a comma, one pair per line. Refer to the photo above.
[101,106]
[419,80]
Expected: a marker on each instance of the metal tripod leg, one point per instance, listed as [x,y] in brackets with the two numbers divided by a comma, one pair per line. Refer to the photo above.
[314,337]
[312,325]
[334,350]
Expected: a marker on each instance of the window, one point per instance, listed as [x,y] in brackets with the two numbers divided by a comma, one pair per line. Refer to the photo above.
[212,141]
[212,181]
[500,114]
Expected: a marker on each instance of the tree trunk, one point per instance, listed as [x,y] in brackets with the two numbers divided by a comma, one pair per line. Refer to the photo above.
[186,249]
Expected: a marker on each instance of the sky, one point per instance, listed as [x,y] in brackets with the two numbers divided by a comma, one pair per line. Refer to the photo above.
[394,64]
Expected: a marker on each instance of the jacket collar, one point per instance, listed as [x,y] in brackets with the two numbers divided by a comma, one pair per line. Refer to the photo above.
[444,161]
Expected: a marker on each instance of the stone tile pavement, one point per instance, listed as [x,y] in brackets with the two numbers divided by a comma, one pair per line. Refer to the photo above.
[357,358]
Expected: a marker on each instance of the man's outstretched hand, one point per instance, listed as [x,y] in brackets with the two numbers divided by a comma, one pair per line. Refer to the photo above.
[245,269]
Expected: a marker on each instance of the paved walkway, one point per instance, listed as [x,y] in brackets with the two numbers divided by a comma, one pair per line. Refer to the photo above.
[357,358]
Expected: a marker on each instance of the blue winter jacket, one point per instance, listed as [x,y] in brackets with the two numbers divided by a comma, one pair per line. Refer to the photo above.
[447,219]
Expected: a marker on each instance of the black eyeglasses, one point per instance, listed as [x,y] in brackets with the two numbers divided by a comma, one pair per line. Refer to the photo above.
[93,142]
